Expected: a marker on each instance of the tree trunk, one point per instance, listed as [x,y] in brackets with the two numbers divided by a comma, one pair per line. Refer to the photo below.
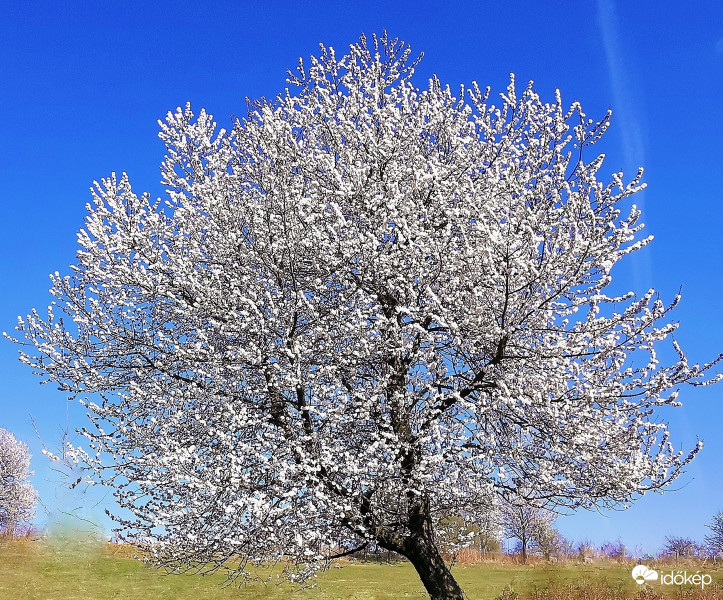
[420,548]
[432,570]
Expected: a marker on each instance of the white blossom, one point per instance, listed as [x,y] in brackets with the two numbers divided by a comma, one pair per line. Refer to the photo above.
[363,307]
[17,495]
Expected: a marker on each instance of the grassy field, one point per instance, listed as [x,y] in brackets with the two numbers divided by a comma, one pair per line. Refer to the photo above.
[63,570]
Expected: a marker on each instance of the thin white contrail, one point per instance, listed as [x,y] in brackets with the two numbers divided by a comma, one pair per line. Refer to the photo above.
[624,109]
[626,120]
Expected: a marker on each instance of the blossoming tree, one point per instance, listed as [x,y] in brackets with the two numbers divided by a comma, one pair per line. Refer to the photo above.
[530,526]
[363,307]
[17,495]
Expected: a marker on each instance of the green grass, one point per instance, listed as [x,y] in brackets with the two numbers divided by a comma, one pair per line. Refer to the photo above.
[63,569]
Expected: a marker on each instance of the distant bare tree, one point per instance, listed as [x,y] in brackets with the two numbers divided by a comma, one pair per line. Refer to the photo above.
[681,547]
[714,541]
[525,523]
[548,540]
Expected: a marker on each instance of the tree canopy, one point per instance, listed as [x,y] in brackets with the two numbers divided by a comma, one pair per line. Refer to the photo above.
[363,307]
[17,495]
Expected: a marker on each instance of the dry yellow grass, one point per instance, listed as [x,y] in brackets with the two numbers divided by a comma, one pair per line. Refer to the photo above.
[69,569]
[598,592]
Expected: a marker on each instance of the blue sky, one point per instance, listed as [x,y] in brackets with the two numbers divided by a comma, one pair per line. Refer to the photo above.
[83,84]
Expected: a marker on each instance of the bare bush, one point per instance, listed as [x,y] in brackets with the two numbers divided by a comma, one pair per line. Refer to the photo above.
[614,550]
[681,547]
